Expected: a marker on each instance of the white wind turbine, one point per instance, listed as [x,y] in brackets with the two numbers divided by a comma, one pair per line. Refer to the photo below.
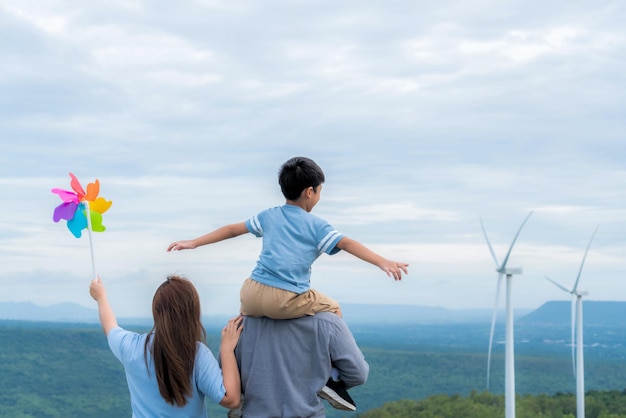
[509,371]
[577,332]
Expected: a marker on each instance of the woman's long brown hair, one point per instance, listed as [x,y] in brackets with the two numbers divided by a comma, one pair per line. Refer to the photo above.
[177,328]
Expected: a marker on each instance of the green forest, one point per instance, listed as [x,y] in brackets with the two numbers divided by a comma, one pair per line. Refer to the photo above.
[67,370]
[598,404]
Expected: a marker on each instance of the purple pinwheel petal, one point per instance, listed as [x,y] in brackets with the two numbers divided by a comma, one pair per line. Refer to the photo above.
[65,210]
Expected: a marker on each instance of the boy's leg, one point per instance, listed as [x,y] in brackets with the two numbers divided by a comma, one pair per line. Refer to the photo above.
[336,393]
[236,413]
[251,296]
[312,302]
[261,300]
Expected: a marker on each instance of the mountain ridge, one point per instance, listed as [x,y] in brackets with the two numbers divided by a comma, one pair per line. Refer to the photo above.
[594,313]
[551,312]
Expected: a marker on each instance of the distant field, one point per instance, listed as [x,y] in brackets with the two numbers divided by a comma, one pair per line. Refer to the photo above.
[66,370]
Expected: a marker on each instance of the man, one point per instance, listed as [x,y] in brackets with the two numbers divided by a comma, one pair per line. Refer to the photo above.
[284,364]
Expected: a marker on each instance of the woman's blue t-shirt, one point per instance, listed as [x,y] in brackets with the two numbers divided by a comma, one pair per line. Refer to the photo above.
[145,399]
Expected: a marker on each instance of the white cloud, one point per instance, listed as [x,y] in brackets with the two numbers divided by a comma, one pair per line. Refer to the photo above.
[424,119]
[54,24]
[526,45]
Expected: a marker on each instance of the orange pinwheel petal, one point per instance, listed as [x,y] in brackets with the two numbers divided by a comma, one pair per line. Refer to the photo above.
[92,191]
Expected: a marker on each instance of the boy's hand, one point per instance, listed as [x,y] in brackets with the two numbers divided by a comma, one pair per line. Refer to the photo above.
[231,333]
[394,269]
[181,245]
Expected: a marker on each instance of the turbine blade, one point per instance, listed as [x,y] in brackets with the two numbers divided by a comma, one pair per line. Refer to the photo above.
[506,259]
[493,326]
[573,314]
[558,285]
[493,254]
[584,257]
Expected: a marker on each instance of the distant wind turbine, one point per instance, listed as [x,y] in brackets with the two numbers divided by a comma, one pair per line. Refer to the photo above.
[577,331]
[509,372]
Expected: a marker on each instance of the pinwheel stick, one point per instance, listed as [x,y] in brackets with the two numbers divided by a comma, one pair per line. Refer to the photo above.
[93,260]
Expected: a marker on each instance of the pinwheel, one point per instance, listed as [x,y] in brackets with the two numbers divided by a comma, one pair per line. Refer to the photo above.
[82,210]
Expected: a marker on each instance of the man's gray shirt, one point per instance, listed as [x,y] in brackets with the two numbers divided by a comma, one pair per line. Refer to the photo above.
[284,364]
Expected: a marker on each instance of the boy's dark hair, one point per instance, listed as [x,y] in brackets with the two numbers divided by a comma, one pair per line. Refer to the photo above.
[298,173]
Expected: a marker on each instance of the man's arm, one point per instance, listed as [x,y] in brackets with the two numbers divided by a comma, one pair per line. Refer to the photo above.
[346,356]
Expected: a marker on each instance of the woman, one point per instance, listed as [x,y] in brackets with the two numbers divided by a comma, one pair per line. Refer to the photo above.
[170,370]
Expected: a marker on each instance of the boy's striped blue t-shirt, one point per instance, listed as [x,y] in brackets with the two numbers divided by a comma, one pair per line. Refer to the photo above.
[292,240]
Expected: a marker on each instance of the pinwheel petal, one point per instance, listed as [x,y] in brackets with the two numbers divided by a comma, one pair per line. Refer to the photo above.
[100,205]
[66,195]
[77,223]
[65,210]
[96,222]
[77,187]
[92,191]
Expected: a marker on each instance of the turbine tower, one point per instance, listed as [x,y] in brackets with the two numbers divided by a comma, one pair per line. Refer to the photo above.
[509,359]
[577,332]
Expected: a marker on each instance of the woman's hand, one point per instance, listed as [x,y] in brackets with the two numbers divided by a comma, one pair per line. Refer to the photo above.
[231,333]
[97,290]
[107,317]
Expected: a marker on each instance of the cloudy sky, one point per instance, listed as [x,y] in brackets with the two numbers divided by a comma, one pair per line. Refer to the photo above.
[425,116]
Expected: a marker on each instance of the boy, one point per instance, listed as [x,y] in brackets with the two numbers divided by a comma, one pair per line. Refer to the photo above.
[293,238]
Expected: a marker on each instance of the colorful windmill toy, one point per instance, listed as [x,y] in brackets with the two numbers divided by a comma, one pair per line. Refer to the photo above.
[81,210]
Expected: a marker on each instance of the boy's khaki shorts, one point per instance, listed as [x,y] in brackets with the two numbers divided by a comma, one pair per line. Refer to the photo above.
[261,300]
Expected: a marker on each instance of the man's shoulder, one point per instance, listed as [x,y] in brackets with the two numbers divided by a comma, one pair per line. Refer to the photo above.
[326,317]
[331,321]
[309,320]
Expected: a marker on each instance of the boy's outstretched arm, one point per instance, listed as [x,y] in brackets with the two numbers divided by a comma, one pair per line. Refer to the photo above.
[392,268]
[107,317]
[220,234]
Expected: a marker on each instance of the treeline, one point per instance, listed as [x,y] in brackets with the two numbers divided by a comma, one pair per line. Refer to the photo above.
[598,404]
